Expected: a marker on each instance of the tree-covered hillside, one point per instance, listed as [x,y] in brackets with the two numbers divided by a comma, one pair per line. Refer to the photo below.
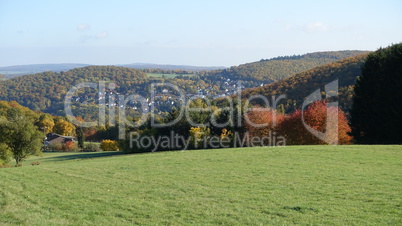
[47,90]
[276,69]
[301,85]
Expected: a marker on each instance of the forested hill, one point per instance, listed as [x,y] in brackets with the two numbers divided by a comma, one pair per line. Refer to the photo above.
[276,69]
[44,90]
[298,87]
[170,67]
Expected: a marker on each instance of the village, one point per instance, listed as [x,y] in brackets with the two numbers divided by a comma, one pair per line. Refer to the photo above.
[163,99]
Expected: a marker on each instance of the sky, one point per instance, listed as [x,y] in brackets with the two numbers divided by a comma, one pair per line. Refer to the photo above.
[185,32]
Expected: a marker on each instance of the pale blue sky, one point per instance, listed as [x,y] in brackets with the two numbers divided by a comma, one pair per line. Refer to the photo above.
[208,33]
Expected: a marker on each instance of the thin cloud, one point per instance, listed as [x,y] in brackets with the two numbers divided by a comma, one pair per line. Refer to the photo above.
[101,35]
[288,27]
[285,25]
[316,27]
[83,27]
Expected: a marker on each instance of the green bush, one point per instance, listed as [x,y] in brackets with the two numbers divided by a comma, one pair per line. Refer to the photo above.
[55,147]
[91,146]
[5,155]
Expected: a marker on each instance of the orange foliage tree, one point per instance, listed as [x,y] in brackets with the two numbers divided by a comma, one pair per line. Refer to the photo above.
[316,116]
[260,122]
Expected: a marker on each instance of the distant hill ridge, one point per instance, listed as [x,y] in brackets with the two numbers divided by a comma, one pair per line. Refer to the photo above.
[337,55]
[171,67]
[265,70]
[278,68]
[45,91]
[19,70]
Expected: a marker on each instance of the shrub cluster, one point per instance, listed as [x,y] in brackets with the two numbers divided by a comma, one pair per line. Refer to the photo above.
[109,145]
[91,147]
[316,116]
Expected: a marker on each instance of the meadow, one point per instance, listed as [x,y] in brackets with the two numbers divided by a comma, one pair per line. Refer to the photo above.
[280,185]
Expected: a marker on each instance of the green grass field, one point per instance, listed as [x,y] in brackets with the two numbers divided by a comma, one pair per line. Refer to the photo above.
[289,185]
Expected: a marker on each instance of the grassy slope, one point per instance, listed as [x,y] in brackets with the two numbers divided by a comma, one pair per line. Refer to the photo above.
[309,184]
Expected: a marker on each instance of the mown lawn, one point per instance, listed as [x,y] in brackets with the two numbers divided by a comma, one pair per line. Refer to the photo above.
[289,185]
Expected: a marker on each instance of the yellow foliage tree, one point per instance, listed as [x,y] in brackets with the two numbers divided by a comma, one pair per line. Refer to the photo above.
[109,145]
[64,128]
[198,135]
[226,133]
[46,123]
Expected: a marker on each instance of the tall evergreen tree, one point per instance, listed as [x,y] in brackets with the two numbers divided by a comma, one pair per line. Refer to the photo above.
[80,137]
[376,114]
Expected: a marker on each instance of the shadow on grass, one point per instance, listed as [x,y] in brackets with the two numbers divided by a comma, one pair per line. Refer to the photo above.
[84,155]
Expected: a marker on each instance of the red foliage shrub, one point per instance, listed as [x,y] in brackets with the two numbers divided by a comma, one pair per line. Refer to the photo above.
[329,123]
[90,133]
[260,121]
[69,146]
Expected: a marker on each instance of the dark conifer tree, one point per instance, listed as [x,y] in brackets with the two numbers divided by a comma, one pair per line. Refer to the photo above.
[376,114]
[80,137]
